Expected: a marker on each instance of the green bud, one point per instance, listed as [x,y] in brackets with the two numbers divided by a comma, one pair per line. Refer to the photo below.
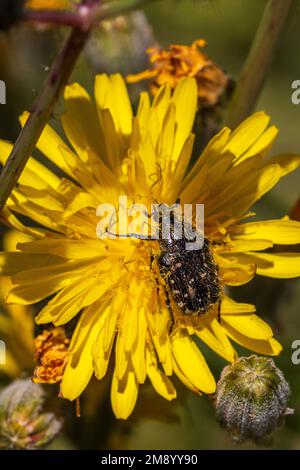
[22,423]
[251,398]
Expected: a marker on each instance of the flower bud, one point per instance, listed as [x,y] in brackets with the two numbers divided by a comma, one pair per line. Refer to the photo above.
[251,398]
[119,45]
[22,423]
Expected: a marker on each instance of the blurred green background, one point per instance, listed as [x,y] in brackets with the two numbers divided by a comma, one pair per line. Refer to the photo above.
[229,27]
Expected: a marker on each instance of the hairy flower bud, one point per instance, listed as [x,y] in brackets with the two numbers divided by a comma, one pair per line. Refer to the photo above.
[22,423]
[119,45]
[251,398]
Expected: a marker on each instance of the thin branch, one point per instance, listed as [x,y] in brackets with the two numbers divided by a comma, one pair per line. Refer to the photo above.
[54,17]
[29,135]
[55,82]
[256,67]
[85,17]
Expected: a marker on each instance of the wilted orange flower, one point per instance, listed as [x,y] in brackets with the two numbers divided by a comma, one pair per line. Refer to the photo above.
[51,349]
[170,66]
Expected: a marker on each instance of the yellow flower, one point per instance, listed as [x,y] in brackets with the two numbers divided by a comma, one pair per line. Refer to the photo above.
[170,66]
[48,4]
[111,283]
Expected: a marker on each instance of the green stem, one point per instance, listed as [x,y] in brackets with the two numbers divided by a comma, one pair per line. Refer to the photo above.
[254,72]
[54,84]
[29,135]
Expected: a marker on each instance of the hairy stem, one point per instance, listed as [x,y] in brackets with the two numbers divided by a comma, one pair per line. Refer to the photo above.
[255,69]
[29,135]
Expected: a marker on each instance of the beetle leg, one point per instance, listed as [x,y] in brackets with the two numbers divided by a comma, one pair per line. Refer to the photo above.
[169,307]
[219,311]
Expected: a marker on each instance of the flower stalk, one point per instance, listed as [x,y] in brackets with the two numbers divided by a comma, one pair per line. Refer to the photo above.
[258,62]
[86,16]
[56,80]
[42,109]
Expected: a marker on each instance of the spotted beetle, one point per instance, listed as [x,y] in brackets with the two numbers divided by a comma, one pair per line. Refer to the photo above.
[191,276]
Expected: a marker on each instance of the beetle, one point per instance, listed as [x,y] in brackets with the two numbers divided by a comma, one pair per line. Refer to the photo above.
[191,276]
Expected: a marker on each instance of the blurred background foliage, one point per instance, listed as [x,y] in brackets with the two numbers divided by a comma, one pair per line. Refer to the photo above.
[228,26]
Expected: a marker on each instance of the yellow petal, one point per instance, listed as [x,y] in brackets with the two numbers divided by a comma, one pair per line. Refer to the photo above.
[287,162]
[184,379]
[14,262]
[208,338]
[66,248]
[79,367]
[185,98]
[192,363]
[262,145]
[249,325]
[247,133]
[161,383]
[111,93]
[49,143]
[269,347]
[104,343]
[138,355]
[34,174]
[124,394]
[283,232]
[210,155]
[143,109]
[234,273]
[80,121]
[229,306]
[242,244]
[278,265]
[221,336]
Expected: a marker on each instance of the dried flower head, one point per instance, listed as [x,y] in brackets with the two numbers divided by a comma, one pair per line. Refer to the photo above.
[251,398]
[51,351]
[170,66]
